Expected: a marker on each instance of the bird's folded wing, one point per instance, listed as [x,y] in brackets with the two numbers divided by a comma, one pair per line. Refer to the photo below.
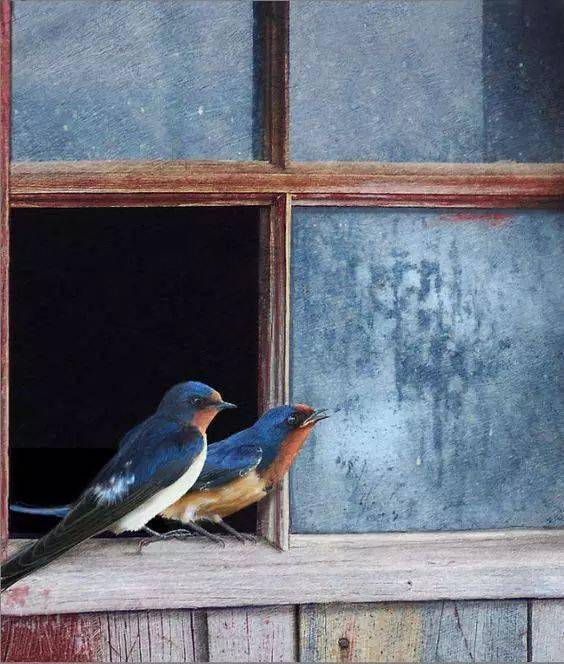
[224,466]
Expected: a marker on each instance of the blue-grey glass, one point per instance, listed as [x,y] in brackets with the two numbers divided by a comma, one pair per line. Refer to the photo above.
[524,80]
[134,79]
[432,80]
[436,338]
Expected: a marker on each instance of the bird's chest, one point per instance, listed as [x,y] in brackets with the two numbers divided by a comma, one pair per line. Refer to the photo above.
[229,498]
[137,518]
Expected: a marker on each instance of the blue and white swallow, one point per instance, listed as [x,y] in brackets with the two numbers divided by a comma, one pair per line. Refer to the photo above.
[238,472]
[158,461]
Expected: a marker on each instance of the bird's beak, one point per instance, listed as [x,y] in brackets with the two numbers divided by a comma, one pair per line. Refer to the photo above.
[224,405]
[315,417]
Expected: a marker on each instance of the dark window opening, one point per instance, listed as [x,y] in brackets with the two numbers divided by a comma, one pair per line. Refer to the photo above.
[110,308]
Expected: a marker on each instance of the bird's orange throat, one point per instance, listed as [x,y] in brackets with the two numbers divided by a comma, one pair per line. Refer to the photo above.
[288,452]
[203,418]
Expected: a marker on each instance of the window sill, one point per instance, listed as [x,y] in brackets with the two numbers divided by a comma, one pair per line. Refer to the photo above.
[109,575]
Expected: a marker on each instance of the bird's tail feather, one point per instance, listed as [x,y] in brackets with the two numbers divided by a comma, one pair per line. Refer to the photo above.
[12,569]
[61,511]
[36,555]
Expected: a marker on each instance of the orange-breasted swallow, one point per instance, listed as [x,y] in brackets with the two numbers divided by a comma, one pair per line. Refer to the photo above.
[238,472]
[156,463]
[243,468]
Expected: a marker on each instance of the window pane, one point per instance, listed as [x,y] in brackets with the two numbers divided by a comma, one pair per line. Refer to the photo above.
[437,338]
[439,80]
[137,79]
[109,308]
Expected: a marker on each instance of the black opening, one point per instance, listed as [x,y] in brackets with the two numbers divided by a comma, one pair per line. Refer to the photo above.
[110,308]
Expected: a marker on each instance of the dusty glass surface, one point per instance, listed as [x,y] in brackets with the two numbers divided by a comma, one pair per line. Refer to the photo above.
[436,338]
[135,79]
[438,80]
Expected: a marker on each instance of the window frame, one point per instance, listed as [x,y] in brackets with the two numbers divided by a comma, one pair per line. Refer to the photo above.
[311,568]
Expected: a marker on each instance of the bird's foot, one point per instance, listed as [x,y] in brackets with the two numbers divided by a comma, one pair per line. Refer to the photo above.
[180,534]
[242,537]
[216,539]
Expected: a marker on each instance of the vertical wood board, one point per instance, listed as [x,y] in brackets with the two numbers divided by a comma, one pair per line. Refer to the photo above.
[135,636]
[414,632]
[547,630]
[265,634]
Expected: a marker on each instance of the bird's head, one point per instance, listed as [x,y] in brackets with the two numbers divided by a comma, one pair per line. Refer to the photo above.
[283,431]
[194,403]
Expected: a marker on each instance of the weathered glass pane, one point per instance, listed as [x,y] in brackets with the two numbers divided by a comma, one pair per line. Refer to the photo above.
[134,79]
[437,338]
[438,80]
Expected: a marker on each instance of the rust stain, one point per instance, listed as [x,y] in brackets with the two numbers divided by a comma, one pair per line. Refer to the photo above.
[492,219]
[16,596]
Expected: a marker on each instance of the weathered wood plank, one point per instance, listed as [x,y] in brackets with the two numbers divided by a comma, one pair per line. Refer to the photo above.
[474,631]
[415,632]
[266,634]
[360,633]
[547,630]
[5,79]
[273,521]
[155,636]
[480,185]
[137,636]
[108,575]
[63,638]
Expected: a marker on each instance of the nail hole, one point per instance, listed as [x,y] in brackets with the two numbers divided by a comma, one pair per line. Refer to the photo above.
[344,643]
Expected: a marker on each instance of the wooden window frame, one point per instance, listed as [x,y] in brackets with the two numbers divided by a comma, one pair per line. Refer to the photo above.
[107,575]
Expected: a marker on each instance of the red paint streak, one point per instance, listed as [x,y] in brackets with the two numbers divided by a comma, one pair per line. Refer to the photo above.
[16,596]
[493,219]
[64,638]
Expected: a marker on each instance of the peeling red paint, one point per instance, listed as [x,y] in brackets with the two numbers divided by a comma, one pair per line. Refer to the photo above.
[61,638]
[16,596]
[493,219]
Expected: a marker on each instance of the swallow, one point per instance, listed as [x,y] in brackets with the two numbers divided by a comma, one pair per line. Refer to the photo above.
[155,465]
[239,471]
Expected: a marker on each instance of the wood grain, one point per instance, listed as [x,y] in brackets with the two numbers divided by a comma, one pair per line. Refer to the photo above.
[415,632]
[491,185]
[266,634]
[547,630]
[154,636]
[144,200]
[64,638]
[360,633]
[5,59]
[273,521]
[275,20]
[136,636]
[108,575]
[475,631]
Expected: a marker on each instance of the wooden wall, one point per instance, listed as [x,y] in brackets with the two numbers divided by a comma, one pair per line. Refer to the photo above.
[445,631]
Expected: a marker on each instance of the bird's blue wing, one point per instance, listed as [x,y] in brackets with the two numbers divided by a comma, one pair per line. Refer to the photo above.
[157,456]
[227,462]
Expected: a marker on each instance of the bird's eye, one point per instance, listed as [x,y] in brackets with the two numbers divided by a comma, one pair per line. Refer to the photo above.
[292,420]
[197,401]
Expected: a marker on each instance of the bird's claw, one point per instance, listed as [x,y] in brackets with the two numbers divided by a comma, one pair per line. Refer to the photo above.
[179,534]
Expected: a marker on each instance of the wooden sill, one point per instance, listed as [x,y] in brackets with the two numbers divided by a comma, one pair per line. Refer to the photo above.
[109,575]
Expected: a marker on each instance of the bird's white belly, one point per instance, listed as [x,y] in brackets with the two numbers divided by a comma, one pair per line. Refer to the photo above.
[138,517]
